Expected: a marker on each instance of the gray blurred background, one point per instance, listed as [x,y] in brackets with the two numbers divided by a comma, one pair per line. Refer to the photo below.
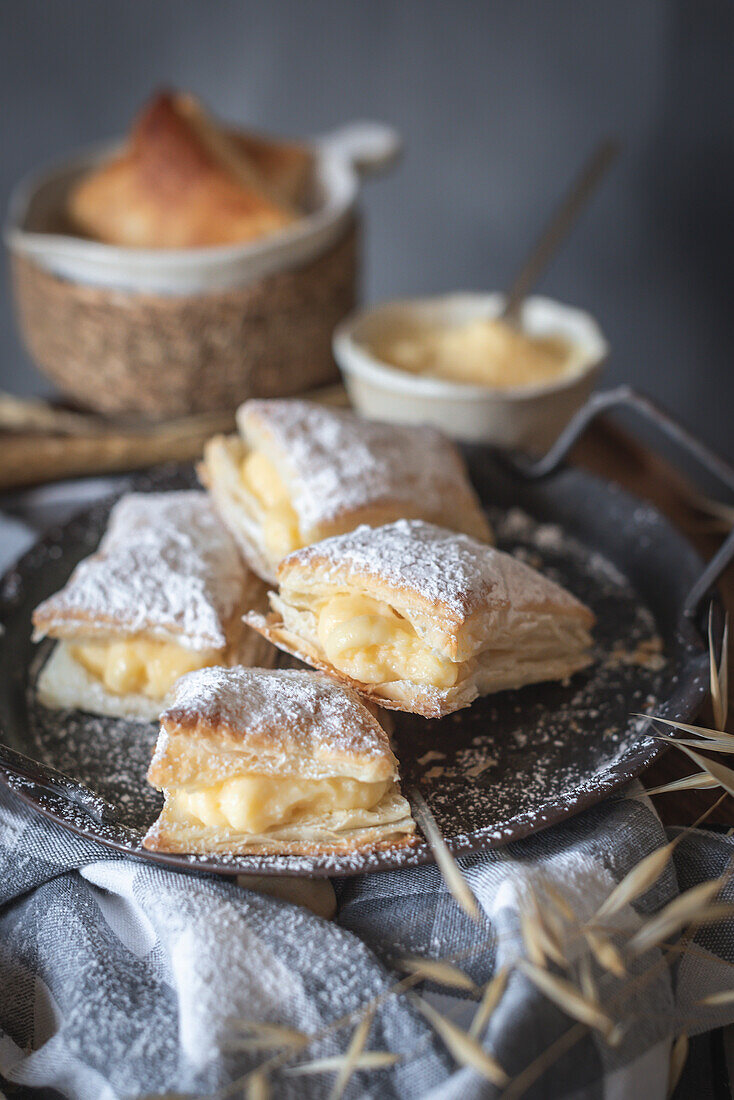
[498,102]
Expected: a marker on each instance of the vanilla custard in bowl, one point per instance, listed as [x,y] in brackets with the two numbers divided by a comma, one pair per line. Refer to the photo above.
[450,361]
[483,351]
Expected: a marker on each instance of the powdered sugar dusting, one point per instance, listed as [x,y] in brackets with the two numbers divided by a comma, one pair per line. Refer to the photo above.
[292,708]
[339,462]
[166,565]
[454,571]
[510,763]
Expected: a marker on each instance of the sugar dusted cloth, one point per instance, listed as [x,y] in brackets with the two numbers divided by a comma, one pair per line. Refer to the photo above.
[119,978]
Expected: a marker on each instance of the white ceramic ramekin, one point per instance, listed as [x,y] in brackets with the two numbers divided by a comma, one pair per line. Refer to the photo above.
[342,159]
[529,417]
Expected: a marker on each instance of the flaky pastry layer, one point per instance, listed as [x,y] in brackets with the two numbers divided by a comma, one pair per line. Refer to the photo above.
[318,471]
[419,619]
[163,594]
[388,826]
[220,471]
[65,684]
[488,673]
[287,749]
[182,181]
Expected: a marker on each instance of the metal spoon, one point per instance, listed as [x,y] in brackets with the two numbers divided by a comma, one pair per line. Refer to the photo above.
[18,765]
[558,228]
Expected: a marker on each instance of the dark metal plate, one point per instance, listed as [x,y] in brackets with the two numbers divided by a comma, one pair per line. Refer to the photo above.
[508,766]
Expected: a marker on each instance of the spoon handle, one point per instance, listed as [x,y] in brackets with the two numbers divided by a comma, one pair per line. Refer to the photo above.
[559,226]
[19,766]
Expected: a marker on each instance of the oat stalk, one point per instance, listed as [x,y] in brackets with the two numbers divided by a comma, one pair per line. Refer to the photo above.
[605,952]
[722,514]
[354,1051]
[546,935]
[699,781]
[678,1056]
[490,999]
[447,865]
[587,984]
[724,997]
[686,907]
[720,675]
[560,903]
[529,931]
[724,743]
[724,776]
[637,881]
[442,973]
[701,731]
[464,1048]
[263,1035]
[369,1059]
[257,1087]
[568,998]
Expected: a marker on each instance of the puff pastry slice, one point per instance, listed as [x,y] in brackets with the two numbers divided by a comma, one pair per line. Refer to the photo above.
[164,594]
[182,181]
[299,472]
[420,619]
[274,761]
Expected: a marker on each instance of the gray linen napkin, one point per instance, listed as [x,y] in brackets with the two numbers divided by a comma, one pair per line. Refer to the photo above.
[119,978]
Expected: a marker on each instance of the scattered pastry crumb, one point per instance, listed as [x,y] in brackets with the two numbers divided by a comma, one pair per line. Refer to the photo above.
[429,756]
[476,770]
[648,653]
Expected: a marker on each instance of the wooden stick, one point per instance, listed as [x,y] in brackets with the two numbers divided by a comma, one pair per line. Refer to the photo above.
[28,457]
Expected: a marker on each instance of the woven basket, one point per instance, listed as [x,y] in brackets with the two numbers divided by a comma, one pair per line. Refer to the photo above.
[125,352]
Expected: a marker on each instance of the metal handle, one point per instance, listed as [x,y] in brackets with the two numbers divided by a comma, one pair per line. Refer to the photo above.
[627,397]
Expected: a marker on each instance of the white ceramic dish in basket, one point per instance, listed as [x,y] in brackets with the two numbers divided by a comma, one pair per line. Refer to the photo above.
[341,159]
[529,417]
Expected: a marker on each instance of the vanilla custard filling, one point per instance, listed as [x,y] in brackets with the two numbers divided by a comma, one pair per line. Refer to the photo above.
[256,803]
[484,352]
[280,527]
[369,641]
[140,666]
